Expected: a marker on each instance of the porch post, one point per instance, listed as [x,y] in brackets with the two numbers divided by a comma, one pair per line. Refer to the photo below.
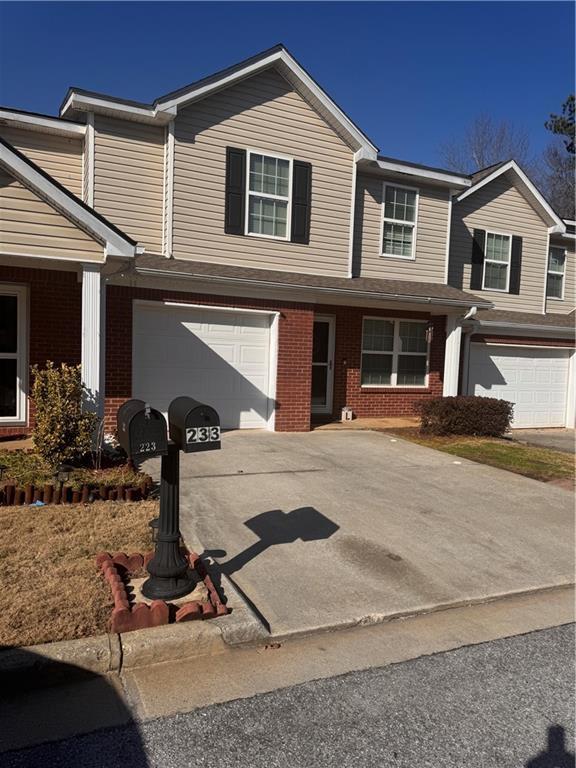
[452,356]
[91,336]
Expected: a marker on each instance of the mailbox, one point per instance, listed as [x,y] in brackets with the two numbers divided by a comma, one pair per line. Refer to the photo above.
[193,425]
[141,430]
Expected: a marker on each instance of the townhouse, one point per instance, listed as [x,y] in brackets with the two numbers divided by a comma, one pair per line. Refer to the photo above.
[242,241]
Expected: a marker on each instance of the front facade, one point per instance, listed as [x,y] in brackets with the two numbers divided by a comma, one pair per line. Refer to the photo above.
[243,242]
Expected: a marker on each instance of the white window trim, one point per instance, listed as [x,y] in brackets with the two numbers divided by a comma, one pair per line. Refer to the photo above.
[413,224]
[493,261]
[21,293]
[552,272]
[276,156]
[395,352]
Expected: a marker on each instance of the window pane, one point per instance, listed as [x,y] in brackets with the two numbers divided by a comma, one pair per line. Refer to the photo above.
[400,204]
[267,217]
[411,370]
[495,275]
[269,175]
[556,260]
[378,335]
[8,388]
[319,381]
[497,247]
[8,323]
[376,369]
[554,286]
[413,337]
[320,342]
[398,239]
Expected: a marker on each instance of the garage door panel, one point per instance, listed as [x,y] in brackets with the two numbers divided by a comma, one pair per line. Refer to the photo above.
[221,358]
[534,379]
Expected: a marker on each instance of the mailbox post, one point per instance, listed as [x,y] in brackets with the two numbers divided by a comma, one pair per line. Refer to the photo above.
[142,433]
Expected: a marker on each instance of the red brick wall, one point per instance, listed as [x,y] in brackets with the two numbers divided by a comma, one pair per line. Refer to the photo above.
[294,353]
[54,319]
[529,340]
[376,402]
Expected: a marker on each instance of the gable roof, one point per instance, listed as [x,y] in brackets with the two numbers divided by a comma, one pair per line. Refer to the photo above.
[116,243]
[164,109]
[523,182]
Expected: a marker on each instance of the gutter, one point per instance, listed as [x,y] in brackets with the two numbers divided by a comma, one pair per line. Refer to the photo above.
[149,272]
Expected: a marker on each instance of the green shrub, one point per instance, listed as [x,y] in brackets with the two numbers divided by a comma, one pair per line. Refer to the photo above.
[63,432]
[466,416]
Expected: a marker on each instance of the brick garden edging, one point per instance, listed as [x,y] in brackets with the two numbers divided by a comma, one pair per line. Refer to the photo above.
[12,495]
[127,617]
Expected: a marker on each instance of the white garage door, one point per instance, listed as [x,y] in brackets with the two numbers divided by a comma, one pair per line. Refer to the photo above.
[219,357]
[534,379]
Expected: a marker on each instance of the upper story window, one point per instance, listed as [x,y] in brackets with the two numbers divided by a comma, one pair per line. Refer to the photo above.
[399,221]
[394,353]
[556,270]
[269,190]
[497,262]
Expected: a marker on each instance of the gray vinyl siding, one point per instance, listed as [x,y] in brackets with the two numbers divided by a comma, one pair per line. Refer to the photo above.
[129,178]
[262,113]
[431,232]
[499,206]
[31,227]
[567,304]
[59,156]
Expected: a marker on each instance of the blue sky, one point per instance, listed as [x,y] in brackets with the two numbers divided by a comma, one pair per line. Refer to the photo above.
[410,74]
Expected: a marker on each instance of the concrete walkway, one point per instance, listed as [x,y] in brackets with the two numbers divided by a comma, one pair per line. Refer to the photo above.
[330,529]
[558,439]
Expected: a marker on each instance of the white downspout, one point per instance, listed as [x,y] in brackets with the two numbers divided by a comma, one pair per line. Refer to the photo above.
[452,352]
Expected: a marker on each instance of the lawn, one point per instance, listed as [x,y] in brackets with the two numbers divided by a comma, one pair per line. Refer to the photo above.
[539,463]
[50,588]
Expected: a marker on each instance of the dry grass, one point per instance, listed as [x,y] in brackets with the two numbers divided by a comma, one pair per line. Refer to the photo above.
[49,586]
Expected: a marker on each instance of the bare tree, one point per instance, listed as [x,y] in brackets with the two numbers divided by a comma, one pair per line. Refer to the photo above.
[486,142]
[557,179]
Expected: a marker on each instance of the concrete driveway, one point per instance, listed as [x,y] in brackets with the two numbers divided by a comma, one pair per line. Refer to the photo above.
[333,528]
[559,439]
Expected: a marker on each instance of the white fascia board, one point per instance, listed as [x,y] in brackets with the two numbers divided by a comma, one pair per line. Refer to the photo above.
[274,58]
[115,245]
[44,124]
[558,225]
[448,178]
[98,104]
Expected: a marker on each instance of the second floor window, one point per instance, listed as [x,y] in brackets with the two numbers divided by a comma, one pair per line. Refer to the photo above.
[497,262]
[556,269]
[399,228]
[268,191]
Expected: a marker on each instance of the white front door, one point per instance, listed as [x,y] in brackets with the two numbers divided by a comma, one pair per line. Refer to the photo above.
[219,357]
[323,364]
[535,379]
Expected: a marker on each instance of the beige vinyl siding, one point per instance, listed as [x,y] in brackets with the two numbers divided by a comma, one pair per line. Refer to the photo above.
[500,207]
[129,178]
[567,304]
[30,226]
[262,113]
[431,231]
[60,156]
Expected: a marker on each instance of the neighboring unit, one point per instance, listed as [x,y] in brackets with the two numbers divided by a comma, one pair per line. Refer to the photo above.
[242,241]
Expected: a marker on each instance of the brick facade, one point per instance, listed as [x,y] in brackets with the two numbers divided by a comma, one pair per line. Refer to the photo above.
[54,320]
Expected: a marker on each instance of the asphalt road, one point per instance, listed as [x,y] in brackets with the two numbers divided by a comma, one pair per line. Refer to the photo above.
[486,706]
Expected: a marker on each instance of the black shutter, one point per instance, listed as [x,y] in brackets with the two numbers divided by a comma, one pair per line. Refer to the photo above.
[515,265]
[477,271]
[235,191]
[301,201]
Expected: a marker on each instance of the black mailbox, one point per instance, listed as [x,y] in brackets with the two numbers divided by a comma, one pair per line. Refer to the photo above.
[193,425]
[141,430]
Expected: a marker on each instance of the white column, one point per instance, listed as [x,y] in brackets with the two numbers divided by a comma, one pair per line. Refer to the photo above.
[91,341]
[571,395]
[452,356]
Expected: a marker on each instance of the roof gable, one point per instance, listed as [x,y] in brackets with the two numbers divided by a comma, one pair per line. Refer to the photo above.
[114,241]
[523,183]
[164,109]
